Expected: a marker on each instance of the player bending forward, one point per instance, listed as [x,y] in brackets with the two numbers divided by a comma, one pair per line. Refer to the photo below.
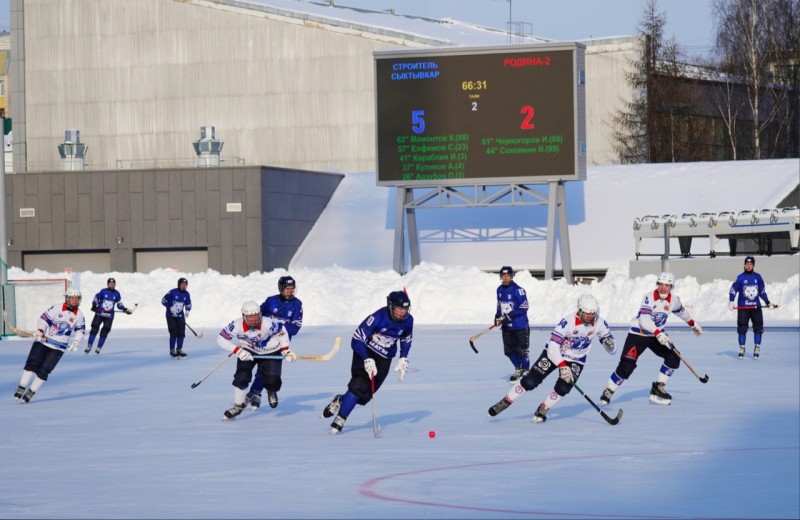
[375,342]
[254,335]
[569,345]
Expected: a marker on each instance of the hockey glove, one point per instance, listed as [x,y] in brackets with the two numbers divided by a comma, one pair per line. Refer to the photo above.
[565,373]
[128,311]
[73,345]
[402,367]
[94,308]
[772,305]
[663,339]
[289,356]
[242,354]
[370,367]
[696,328]
[609,345]
[185,314]
[733,306]
[39,336]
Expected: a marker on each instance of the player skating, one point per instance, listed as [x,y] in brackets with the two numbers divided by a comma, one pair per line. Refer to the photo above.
[648,331]
[59,328]
[567,350]
[254,335]
[285,308]
[375,343]
[103,306]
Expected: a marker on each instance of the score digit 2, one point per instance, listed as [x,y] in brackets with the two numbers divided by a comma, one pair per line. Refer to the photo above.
[527,121]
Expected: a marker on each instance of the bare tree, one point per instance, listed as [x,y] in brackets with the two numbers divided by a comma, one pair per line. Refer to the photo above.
[751,37]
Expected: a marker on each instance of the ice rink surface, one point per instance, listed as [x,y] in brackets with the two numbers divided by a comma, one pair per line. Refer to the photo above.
[123,435]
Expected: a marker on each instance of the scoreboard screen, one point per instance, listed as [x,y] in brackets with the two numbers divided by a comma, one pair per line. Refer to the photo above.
[490,115]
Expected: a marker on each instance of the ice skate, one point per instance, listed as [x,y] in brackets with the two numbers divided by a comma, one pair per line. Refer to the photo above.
[255,401]
[517,375]
[501,405]
[87,349]
[606,397]
[658,395]
[741,351]
[28,396]
[173,354]
[756,351]
[337,424]
[97,350]
[333,407]
[233,411]
[540,415]
[181,354]
[272,399]
[19,393]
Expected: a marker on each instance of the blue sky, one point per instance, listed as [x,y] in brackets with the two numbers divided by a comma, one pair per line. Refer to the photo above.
[689,21]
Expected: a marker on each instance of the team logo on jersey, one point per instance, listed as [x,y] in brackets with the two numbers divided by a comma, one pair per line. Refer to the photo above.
[666,308]
[751,292]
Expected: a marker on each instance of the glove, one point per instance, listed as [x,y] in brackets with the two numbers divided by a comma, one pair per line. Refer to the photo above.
[242,354]
[733,306]
[565,373]
[38,335]
[499,321]
[128,311]
[772,305]
[609,345]
[73,345]
[185,315]
[289,356]
[663,339]
[402,367]
[94,308]
[369,366]
[697,329]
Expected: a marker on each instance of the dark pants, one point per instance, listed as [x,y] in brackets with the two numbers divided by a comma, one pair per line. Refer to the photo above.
[97,321]
[42,360]
[745,316]
[542,368]
[360,384]
[635,346]
[515,346]
[269,370]
[176,327]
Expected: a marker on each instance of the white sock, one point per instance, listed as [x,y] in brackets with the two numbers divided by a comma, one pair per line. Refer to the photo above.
[25,380]
[551,400]
[239,396]
[37,383]
[515,393]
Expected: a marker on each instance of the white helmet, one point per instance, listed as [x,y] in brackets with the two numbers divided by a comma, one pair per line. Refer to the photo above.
[72,293]
[587,304]
[250,308]
[667,278]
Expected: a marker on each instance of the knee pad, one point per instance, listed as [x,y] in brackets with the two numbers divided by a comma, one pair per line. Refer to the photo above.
[562,388]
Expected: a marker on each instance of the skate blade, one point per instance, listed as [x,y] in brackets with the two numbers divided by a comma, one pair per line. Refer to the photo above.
[659,400]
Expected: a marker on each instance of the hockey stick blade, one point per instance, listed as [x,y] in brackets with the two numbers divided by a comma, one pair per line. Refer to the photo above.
[321,357]
[472,344]
[612,420]
[474,338]
[198,335]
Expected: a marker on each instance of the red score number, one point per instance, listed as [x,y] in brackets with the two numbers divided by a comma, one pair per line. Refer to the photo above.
[527,121]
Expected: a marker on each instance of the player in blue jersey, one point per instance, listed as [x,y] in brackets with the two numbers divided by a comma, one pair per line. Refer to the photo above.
[288,310]
[103,306]
[375,342]
[60,328]
[648,332]
[512,316]
[751,290]
[566,351]
[178,302]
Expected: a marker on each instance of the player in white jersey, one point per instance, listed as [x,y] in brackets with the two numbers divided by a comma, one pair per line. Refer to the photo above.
[648,331]
[254,335]
[569,345]
[60,328]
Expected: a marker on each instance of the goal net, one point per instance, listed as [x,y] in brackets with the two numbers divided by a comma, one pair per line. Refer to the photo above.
[32,296]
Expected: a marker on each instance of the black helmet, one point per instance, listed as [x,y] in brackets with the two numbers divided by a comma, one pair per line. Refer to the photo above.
[182,280]
[750,259]
[110,280]
[284,282]
[397,299]
[506,269]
